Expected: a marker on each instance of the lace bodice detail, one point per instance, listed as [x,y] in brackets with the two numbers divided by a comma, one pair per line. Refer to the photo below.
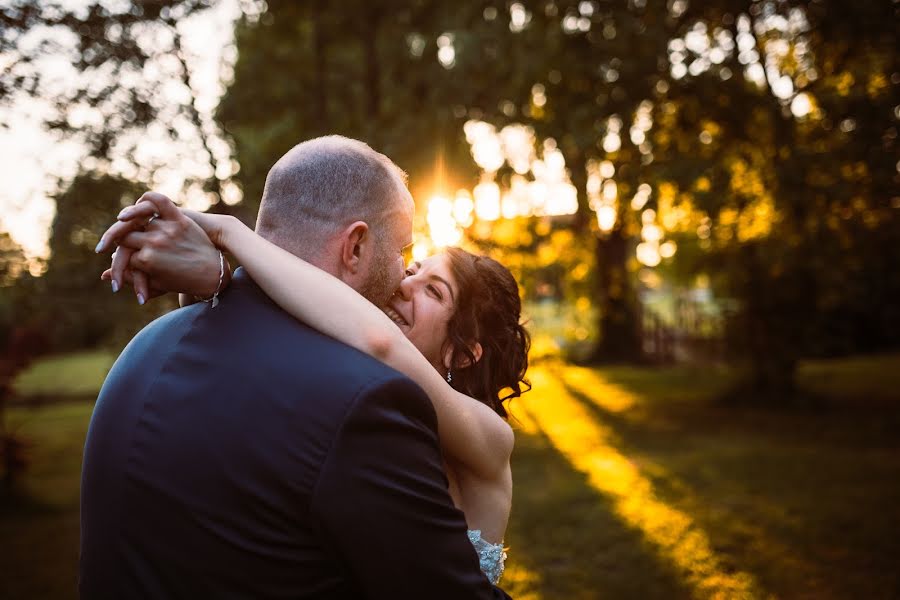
[491,556]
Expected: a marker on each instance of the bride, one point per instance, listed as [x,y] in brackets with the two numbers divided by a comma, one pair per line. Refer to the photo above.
[453,327]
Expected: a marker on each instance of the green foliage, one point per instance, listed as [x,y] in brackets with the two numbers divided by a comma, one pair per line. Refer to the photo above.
[791,217]
[308,69]
[107,44]
[794,207]
[69,303]
[556,273]
[12,260]
[12,266]
[799,231]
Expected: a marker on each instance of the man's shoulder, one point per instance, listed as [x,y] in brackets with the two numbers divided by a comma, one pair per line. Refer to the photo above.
[369,385]
[249,333]
[274,340]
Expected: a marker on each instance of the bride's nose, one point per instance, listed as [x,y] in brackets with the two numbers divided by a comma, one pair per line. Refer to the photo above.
[405,288]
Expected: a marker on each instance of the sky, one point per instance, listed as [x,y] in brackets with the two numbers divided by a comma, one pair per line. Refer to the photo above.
[31,158]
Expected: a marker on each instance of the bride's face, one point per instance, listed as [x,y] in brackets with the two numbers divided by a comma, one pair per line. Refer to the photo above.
[423,305]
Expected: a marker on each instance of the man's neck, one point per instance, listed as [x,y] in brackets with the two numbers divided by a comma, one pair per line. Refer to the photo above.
[323,257]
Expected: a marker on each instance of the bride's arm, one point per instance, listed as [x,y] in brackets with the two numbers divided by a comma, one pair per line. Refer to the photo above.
[472,434]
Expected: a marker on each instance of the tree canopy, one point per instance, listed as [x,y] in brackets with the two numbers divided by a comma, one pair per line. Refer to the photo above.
[751,143]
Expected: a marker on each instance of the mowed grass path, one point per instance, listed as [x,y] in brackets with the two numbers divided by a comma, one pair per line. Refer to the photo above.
[629,483]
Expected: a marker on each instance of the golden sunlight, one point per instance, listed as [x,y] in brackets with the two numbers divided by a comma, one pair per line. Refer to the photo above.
[487,200]
[549,190]
[442,227]
[589,445]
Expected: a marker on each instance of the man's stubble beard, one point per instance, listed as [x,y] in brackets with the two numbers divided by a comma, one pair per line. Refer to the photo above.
[378,287]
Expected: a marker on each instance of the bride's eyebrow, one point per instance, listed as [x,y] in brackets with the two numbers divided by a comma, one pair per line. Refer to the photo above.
[445,282]
[418,266]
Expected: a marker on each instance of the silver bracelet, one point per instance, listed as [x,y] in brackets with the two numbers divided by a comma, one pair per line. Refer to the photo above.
[215,297]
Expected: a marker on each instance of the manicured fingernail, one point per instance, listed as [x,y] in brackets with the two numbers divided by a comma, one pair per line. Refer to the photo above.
[100,245]
[124,213]
[141,299]
[115,286]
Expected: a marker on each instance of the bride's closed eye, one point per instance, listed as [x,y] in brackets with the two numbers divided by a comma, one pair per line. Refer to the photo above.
[434,292]
[430,288]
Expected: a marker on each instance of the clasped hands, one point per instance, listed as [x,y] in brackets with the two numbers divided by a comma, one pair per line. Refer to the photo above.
[162,248]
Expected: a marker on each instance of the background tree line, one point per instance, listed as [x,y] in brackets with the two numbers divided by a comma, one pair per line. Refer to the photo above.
[765,129]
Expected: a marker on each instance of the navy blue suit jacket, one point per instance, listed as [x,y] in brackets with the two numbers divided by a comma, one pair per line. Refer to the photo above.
[237,453]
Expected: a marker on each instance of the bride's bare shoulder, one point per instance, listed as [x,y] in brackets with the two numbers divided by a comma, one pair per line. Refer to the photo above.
[498,431]
[506,438]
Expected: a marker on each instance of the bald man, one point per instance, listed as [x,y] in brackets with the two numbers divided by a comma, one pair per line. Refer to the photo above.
[237,453]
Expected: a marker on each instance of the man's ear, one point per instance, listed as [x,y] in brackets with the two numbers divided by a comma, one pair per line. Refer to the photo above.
[354,240]
[463,361]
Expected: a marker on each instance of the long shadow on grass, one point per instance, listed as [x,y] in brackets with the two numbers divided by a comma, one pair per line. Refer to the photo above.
[569,538]
[736,489]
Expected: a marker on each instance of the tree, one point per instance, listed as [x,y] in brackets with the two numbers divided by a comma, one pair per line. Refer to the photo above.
[118,79]
[384,81]
[367,70]
[17,347]
[13,271]
[762,133]
[82,311]
[602,62]
[111,76]
[12,260]
[792,164]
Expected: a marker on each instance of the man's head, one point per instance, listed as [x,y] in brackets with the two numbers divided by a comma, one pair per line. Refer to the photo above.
[343,207]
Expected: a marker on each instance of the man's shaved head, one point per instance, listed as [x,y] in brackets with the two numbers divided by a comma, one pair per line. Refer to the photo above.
[322,185]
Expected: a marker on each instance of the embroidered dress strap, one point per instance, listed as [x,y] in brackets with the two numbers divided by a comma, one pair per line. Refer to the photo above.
[490,556]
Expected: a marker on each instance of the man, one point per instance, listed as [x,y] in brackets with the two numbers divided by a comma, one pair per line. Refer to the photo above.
[235,452]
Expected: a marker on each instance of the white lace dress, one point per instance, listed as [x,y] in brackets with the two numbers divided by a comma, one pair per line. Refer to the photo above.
[491,556]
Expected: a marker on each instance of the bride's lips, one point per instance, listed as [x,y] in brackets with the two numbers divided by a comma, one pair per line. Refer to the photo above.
[395,316]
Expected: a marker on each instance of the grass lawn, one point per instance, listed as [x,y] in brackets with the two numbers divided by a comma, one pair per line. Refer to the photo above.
[79,374]
[629,483]
[39,526]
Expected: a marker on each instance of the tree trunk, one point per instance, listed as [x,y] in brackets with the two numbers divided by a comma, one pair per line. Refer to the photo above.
[578,173]
[619,325]
[773,311]
[771,343]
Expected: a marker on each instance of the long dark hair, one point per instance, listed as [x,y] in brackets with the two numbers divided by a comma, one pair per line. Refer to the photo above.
[488,311]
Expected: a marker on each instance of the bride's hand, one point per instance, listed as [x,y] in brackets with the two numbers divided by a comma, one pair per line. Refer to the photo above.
[166,246]
[152,205]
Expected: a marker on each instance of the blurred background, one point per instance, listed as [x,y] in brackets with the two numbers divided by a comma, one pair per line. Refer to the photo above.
[699,199]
